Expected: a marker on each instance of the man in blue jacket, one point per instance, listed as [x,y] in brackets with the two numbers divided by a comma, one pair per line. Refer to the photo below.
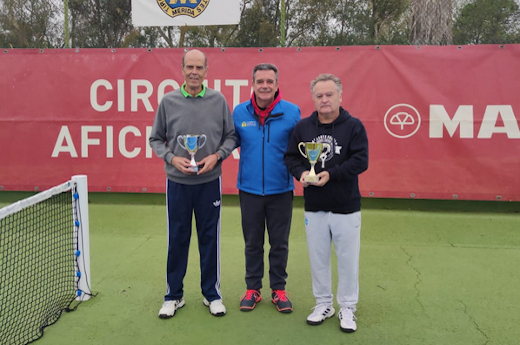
[263,126]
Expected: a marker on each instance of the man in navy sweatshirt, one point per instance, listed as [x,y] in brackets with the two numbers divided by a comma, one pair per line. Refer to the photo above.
[333,203]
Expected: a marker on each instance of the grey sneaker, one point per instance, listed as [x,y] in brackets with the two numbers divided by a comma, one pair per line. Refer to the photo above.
[216,307]
[320,313]
[347,320]
[169,307]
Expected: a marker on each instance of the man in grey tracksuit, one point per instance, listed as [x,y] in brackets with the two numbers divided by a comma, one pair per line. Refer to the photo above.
[193,109]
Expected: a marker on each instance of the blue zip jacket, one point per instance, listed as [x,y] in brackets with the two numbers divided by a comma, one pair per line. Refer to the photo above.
[261,169]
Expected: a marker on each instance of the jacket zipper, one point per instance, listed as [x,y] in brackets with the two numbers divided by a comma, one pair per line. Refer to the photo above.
[263,160]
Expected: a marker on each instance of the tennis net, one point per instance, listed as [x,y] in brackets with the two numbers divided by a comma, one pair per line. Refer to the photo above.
[44,260]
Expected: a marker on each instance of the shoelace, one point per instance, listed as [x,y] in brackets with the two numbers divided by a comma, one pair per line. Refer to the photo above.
[171,303]
[321,309]
[347,314]
[250,294]
[282,296]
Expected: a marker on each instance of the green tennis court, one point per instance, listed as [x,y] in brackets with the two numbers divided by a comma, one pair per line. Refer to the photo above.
[432,272]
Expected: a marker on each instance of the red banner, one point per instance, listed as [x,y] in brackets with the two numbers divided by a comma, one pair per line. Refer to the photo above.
[443,122]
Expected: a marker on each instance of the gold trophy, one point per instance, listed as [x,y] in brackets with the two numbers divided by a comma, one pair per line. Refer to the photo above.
[192,143]
[313,152]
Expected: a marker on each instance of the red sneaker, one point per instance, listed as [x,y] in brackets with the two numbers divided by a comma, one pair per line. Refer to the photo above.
[249,300]
[280,299]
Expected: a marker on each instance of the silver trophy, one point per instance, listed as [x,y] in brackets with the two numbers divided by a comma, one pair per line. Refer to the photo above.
[192,143]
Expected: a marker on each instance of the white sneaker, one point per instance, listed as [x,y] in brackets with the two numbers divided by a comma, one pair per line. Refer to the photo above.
[320,313]
[347,320]
[216,307]
[169,307]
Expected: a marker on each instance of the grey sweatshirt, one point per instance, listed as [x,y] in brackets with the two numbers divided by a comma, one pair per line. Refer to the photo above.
[180,115]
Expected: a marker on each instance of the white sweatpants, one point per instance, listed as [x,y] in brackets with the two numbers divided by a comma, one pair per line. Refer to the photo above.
[344,230]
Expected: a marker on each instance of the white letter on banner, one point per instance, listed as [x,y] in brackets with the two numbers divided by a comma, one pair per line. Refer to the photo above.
[439,119]
[163,85]
[141,96]
[236,83]
[110,142]
[216,84]
[122,142]
[86,141]
[489,122]
[148,147]
[93,95]
[121,95]
[69,147]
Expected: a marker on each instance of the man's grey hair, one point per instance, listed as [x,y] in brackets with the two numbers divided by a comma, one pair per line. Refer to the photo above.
[266,67]
[186,52]
[327,77]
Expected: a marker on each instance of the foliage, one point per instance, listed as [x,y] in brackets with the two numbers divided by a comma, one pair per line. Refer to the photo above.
[107,23]
[384,17]
[487,22]
[28,24]
[103,23]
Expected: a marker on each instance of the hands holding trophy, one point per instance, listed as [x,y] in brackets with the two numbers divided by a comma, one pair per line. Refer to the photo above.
[313,152]
[192,143]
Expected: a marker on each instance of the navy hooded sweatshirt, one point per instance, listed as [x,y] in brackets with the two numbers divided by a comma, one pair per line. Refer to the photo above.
[347,159]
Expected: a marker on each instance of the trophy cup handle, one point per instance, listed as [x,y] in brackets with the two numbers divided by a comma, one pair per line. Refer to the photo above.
[180,140]
[202,141]
[300,149]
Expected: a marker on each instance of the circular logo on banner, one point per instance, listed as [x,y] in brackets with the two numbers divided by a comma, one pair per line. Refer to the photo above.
[402,121]
[174,8]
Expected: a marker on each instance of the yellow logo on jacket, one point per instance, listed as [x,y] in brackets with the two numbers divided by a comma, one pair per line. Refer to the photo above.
[248,124]
[174,8]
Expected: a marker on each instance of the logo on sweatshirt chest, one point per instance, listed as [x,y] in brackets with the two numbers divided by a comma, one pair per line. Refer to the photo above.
[327,139]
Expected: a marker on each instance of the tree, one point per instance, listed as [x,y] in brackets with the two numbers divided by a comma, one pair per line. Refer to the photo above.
[107,23]
[488,21]
[258,25]
[29,24]
[96,23]
[307,23]
[431,22]
[387,20]
[352,24]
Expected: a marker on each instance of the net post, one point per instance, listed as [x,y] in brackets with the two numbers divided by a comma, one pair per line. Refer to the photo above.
[83,238]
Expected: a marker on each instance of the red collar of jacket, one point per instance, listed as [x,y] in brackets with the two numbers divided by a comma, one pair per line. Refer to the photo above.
[263,113]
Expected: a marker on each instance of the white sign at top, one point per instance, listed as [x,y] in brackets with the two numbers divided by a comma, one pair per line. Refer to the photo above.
[185,12]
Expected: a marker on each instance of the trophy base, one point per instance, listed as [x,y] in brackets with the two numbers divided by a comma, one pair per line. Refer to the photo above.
[311,178]
[194,168]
